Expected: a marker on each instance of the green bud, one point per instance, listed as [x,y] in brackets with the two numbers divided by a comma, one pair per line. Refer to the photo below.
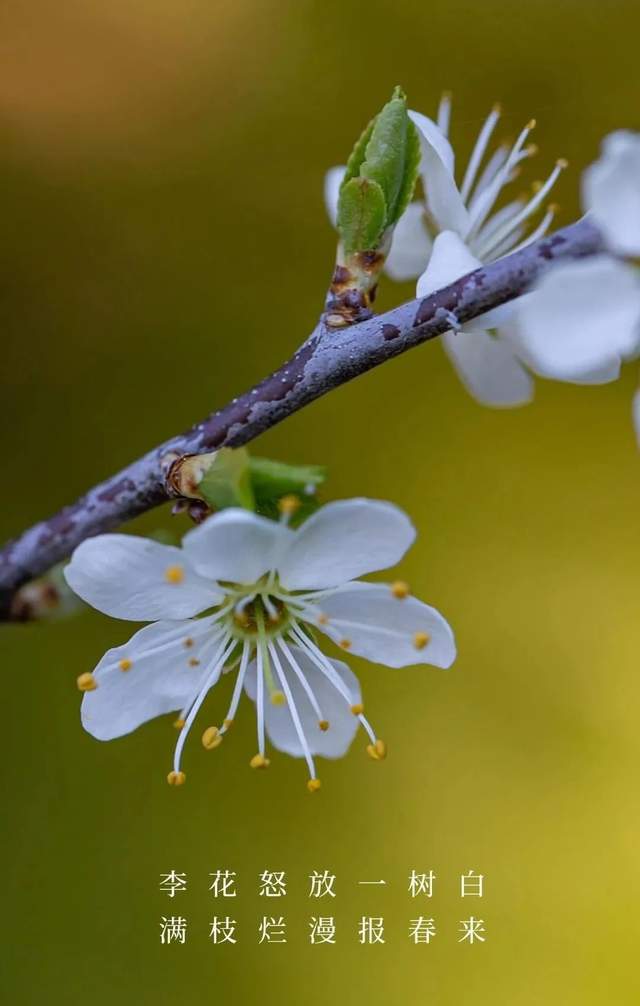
[380,177]
[227,480]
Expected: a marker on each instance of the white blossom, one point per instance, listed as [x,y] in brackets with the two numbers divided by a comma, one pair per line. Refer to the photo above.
[248,595]
[457,229]
[582,320]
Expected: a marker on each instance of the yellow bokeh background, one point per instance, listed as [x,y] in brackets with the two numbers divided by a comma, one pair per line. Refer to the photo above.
[164,246]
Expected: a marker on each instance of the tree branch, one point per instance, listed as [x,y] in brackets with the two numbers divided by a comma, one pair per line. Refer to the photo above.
[328,358]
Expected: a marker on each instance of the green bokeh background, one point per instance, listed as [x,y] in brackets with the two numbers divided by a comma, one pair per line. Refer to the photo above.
[164,246]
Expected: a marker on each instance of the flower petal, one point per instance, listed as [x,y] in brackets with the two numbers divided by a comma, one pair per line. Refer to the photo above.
[236,545]
[386,629]
[611,191]
[332,743]
[332,183]
[164,665]
[443,200]
[411,245]
[581,320]
[138,579]
[450,259]
[489,368]
[343,540]
[635,410]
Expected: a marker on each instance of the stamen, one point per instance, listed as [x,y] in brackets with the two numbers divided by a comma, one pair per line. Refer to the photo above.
[400,589]
[194,662]
[288,505]
[294,715]
[489,196]
[176,778]
[377,750]
[188,642]
[322,663]
[357,709]
[278,699]
[420,640]
[313,785]
[345,644]
[527,210]
[213,674]
[490,171]
[323,619]
[260,697]
[174,574]
[270,608]
[237,688]
[179,723]
[125,664]
[479,151]
[538,233]
[259,761]
[297,670]
[324,725]
[86,682]
[211,738]
[444,113]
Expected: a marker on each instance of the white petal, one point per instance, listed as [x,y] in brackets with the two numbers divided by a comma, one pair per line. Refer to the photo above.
[411,245]
[441,192]
[489,368]
[160,680]
[635,408]
[130,577]
[581,320]
[382,628]
[450,259]
[236,545]
[611,191]
[332,743]
[343,540]
[332,183]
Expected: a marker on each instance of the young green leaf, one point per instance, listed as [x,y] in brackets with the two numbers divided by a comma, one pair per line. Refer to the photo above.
[362,213]
[227,482]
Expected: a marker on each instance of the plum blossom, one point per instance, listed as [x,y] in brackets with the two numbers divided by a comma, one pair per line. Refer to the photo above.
[249,596]
[583,319]
[457,229]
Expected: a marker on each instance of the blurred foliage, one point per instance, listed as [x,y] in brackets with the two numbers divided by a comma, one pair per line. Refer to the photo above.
[164,246]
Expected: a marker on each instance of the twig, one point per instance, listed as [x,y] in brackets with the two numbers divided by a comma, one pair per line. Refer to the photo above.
[328,358]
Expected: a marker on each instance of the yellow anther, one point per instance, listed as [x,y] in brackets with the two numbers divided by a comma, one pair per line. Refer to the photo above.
[288,505]
[194,662]
[211,738]
[176,778]
[531,124]
[323,619]
[278,699]
[86,682]
[562,162]
[497,108]
[400,589]
[259,761]
[531,150]
[313,785]
[179,723]
[324,725]
[174,574]
[241,618]
[345,644]
[553,208]
[188,642]
[227,724]
[377,750]
[420,640]
[125,664]
[357,709]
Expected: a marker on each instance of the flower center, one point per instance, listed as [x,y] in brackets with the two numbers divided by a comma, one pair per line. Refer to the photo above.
[256,614]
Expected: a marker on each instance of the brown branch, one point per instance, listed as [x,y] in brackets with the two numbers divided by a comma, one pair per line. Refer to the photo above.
[328,358]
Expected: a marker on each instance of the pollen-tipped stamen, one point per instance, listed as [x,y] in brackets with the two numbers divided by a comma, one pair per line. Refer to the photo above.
[297,670]
[524,214]
[478,152]
[295,716]
[213,673]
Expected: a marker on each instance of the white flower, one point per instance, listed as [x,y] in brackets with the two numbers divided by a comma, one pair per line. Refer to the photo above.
[455,231]
[583,319]
[611,192]
[262,591]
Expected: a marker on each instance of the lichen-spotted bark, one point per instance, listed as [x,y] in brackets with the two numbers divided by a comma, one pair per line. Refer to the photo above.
[328,358]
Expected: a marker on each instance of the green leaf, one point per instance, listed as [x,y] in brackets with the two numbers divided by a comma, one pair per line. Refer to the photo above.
[411,171]
[227,482]
[386,154]
[271,480]
[362,213]
[358,153]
